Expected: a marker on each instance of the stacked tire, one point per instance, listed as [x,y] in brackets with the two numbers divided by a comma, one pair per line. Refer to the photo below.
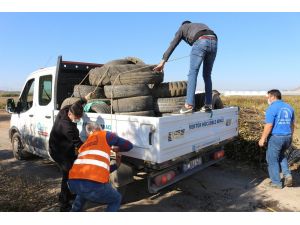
[169,97]
[131,87]
[120,87]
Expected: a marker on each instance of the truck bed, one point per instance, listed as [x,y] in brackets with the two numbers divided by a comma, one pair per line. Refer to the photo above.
[159,139]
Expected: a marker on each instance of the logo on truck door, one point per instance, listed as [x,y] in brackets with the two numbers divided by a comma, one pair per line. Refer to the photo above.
[173,135]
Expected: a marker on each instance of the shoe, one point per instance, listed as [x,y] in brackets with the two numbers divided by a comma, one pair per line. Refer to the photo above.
[275,186]
[184,110]
[206,108]
[65,207]
[288,181]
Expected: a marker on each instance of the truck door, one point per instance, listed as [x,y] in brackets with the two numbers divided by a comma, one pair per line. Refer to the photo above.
[25,108]
[43,118]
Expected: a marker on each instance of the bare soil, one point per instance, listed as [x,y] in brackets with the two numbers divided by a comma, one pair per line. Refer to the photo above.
[33,185]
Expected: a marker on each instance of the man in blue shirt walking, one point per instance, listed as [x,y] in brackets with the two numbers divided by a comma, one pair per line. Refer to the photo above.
[278,129]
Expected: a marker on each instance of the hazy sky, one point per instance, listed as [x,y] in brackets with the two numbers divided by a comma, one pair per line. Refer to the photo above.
[257,51]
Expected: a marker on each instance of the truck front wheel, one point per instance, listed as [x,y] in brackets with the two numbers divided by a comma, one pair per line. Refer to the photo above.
[18,148]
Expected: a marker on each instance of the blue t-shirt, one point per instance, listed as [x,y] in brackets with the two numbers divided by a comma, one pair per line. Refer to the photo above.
[281,115]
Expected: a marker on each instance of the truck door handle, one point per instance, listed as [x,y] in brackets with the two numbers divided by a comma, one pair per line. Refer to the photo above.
[30,115]
[48,117]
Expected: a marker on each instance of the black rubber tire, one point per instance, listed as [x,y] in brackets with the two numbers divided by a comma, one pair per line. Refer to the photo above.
[96,74]
[169,89]
[140,113]
[69,101]
[168,105]
[135,60]
[127,60]
[149,77]
[200,99]
[82,90]
[125,74]
[101,108]
[18,149]
[134,104]
[217,102]
[126,91]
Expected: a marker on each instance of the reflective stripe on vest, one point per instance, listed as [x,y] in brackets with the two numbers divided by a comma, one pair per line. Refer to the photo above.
[94,152]
[92,162]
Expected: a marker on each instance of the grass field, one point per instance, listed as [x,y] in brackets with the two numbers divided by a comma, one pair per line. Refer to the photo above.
[259,103]
[251,123]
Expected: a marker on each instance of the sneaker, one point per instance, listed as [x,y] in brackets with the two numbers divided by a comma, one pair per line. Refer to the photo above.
[206,108]
[275,186]
[185,110]
[288,181]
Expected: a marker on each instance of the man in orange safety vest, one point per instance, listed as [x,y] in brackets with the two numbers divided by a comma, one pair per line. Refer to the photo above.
[89,175]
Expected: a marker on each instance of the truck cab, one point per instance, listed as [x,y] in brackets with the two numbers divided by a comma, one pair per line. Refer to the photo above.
[33,115]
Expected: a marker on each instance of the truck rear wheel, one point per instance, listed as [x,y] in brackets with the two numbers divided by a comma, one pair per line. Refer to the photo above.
[18,148]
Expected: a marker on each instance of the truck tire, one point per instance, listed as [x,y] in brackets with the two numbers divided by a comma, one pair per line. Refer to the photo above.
[134,104]
[127,60]
[101,108]
[200,99]
[148,77]
[169,89]
[18,148]
[126,91]
[217,102]
[95,77]
[106,71]
[69,101]
[140,113]
[82,90]
[168,105]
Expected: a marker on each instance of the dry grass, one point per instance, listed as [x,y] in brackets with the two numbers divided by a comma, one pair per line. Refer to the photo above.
[251,122]
[23,194]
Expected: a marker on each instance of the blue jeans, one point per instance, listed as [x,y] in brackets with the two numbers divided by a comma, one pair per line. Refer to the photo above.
[276,158]
[203,50]
[94,192]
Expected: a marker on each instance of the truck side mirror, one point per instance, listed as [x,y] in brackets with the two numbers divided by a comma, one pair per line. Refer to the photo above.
[10,105]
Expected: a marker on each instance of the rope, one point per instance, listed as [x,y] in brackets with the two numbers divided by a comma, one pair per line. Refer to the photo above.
[117,77]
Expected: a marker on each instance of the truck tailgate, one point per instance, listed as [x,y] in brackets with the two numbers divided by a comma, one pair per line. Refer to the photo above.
[159,139]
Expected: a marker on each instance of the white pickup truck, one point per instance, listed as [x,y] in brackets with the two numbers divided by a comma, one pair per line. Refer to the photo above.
[166,149]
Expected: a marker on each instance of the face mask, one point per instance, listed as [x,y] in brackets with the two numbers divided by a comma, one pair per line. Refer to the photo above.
[269,102]
[75,120]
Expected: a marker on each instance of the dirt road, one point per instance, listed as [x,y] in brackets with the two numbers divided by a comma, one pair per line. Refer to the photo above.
[228,186]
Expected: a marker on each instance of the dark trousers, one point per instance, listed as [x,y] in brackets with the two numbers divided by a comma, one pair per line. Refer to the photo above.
[65,195]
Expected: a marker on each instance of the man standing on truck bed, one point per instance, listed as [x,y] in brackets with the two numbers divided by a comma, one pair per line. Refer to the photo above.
[204,48]
[89,176]
[279,129]
[64,139]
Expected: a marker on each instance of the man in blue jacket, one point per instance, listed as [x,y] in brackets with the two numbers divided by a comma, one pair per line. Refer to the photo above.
[278,130]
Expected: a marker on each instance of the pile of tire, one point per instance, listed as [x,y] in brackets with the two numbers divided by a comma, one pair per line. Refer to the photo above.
[131,87]
[120,87]
[168,97]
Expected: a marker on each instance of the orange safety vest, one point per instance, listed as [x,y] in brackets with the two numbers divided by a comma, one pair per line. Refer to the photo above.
[93,160]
